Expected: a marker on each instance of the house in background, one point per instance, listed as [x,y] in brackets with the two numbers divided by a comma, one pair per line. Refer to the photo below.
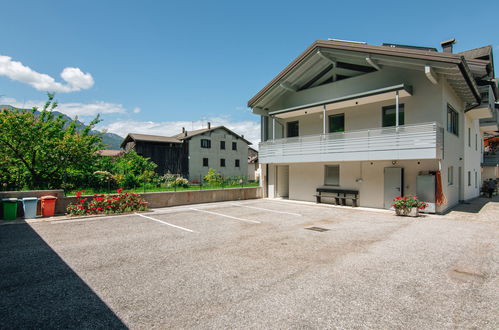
[111,153]
[193,153]
[376,122]
[253,165]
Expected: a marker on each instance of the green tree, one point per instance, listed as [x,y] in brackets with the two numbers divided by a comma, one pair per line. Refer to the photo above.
[42,150]
[132,170]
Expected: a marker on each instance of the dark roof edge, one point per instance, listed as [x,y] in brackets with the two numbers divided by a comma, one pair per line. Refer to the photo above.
[214,128]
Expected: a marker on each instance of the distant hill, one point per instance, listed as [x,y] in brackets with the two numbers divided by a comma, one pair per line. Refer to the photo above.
[110,140]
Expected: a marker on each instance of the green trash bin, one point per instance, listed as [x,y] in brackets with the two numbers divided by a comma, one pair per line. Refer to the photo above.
[9,208]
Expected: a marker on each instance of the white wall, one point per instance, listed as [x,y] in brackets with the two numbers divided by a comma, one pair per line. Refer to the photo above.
[214,154]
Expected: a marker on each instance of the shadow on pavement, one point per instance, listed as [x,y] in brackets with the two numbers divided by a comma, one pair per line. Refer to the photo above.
[473,206]
[39,290]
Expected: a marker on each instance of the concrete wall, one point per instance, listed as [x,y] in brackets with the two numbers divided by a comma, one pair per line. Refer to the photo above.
[214,154]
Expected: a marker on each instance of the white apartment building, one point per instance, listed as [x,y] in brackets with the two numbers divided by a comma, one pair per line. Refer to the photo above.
[379,121]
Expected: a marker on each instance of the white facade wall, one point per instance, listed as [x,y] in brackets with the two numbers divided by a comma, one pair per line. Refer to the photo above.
[214,154]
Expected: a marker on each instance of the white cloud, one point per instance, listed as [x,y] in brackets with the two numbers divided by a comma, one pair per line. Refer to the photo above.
[250,129]
[136,110]
[75,79]
[71,109]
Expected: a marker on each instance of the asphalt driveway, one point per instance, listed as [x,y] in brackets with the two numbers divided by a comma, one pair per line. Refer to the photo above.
[253,264]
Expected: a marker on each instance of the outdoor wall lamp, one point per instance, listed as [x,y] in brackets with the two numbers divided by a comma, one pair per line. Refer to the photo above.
[394,162]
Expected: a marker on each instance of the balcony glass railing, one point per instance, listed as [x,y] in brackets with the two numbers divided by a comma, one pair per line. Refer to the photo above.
[420,141]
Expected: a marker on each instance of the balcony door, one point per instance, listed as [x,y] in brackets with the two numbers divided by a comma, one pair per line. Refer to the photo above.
[394,184]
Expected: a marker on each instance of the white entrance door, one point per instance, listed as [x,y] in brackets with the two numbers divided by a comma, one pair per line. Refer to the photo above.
[393,184]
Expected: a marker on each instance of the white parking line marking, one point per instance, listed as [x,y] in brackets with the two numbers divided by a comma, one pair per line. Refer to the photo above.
[165,223]
[269,210]
[225,215]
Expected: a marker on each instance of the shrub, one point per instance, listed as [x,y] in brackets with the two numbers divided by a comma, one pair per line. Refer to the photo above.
[107,204]
[408,202]
[213,177]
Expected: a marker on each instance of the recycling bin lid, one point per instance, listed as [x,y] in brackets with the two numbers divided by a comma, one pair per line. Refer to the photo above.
[11,199]
[48,197]
[30,198]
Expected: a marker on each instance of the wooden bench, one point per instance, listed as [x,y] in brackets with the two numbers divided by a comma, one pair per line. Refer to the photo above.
[340,195]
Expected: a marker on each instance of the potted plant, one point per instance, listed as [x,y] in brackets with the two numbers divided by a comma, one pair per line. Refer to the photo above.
[409,205]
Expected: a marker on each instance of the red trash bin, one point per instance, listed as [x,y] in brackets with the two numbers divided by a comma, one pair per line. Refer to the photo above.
[48,205]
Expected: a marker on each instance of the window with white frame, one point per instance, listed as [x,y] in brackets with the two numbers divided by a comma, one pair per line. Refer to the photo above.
[450,175]
[452,120]
[332,175]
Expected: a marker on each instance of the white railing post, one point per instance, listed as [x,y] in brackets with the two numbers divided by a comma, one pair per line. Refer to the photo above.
[324,119]
[273,128]
[397,110]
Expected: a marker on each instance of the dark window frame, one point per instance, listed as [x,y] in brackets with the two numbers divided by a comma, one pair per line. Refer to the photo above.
[291,133]
[206,162]
[237,163]
[331,123]
[206,143]
[222,145]
[385,120]
[234,146]
[452,120]
[222,162]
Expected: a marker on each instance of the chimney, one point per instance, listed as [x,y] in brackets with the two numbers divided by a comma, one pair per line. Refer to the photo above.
[447,45]
[209,125]
[185,133]
[183,129]
[242,136]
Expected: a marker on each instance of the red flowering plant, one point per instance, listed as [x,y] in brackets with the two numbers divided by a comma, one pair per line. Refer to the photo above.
[121,202]
[405,203]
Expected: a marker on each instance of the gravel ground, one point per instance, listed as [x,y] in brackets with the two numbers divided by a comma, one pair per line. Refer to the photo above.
[252,264]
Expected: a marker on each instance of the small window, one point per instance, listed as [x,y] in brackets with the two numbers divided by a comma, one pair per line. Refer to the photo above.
[222,145]
[469,178]
[469,137]
[205,143]
[293,129]
[337,123]
[234,145]
[476,142]
[476,179]
[237,163]
[452,121]
[332,175]
[389,115]
[450,175]
[205,162]
[222,162]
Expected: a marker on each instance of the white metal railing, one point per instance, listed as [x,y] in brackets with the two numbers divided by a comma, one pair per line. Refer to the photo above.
[419,141]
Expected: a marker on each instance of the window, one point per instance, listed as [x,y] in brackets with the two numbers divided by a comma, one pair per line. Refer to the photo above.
[476,179]
[450,175]
[222,145]
[236,163]
[452,121]
[337,123]
[476,142]
[390,115]
[205,143]
[205,162]
[469,178]
[469,137]
[222,162]
[332,175]
[293,129]
[234,145]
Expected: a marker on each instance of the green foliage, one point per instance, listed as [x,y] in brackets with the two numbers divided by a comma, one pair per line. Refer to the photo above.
[43,150]
[174,180]
[132,170]
[213,177]
[121,202]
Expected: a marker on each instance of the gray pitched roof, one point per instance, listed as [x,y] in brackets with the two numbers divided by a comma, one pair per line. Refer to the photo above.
[189,134]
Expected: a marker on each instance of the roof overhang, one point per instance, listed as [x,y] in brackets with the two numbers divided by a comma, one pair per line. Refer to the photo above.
[480,112]
[324,53]
[351,100]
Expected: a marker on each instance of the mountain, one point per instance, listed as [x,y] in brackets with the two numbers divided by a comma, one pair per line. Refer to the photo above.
[110,140]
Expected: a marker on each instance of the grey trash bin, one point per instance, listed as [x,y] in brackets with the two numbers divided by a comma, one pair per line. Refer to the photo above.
[29,207]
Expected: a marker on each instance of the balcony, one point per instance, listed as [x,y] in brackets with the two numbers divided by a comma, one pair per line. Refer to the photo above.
[421,141]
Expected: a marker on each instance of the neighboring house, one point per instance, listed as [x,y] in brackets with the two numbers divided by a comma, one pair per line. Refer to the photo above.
[110,153]
[490,164]
[253,166]
[380,120]
[193,153]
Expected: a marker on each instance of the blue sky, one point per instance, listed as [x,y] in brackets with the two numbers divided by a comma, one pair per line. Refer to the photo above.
[155,66]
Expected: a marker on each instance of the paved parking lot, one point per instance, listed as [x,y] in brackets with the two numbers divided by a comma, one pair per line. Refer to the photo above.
[253,264]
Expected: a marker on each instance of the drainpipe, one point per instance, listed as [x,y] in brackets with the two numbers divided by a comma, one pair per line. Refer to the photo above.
[324,119]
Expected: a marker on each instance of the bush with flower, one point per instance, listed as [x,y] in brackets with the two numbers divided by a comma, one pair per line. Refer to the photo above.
[403,205]
[121,202]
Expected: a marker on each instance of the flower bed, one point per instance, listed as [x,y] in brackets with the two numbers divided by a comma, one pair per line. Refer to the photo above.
[121,202]
[408,205]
